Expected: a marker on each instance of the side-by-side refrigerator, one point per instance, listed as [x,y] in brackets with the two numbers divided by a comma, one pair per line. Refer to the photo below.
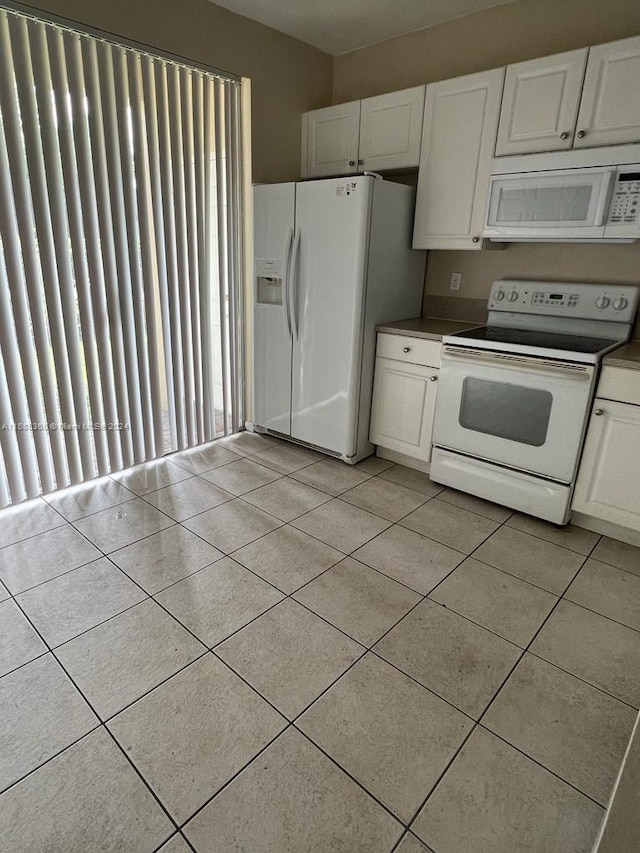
[332,259]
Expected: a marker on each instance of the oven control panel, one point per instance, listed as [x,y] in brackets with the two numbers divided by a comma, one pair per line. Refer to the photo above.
[617,303]
[558,300]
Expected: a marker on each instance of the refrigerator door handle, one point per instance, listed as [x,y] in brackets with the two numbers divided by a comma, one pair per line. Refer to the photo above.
[285,283]
[294,283]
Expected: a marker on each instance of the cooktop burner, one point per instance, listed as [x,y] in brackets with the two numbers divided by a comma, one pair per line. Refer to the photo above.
[537,339]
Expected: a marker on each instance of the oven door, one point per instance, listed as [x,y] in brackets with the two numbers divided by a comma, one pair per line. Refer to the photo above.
[523,412]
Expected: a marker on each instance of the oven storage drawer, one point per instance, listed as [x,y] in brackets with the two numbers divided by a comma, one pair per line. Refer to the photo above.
[514,489]
[521,412]
[405,348]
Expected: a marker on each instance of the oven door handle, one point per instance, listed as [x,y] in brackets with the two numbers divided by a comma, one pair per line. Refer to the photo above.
[518,362]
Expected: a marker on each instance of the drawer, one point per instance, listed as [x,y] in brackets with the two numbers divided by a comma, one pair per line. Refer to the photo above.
[617,383]
[405,348]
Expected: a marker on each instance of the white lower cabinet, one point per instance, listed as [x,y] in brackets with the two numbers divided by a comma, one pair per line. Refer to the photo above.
[608,485]
[404,399]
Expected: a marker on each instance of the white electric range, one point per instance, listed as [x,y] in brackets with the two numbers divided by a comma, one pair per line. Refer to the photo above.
[514,396]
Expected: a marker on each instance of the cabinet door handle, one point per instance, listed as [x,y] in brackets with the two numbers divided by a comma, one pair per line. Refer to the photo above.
[360,162]
[564,135]
[581,134]
[599,412]
[433,379]
[475,239]
[352,162]
[406,349]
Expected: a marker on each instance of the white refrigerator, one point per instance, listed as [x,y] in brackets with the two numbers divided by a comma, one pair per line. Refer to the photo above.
[332,259]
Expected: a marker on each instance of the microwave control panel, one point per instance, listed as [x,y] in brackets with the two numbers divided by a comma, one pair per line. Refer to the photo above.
[625,202]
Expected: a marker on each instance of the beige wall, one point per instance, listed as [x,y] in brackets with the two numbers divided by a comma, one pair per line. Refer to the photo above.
[287,76]
[489,39]
[545,261]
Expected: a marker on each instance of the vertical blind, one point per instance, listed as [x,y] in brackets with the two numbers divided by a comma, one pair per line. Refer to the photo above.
[120,256]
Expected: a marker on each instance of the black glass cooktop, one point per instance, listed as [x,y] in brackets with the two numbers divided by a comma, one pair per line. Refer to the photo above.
[548,340]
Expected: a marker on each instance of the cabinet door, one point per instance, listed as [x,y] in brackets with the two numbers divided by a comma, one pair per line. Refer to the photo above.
[458,139]
[610,107]
[540,103]
[608,485]
[404,397]
[391,129]
[330,140]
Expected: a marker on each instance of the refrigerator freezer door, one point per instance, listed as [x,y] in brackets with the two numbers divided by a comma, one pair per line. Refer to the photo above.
[274,212]
[332,218]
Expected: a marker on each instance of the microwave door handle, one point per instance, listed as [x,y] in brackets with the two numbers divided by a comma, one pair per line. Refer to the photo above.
[603,202]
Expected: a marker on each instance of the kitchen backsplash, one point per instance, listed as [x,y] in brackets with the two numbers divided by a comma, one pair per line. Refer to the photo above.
[584,262]
[465,310]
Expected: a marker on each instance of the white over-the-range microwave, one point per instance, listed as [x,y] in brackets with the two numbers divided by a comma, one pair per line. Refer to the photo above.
[586,196]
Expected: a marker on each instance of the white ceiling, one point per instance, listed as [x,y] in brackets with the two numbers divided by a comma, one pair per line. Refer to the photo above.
[338,26]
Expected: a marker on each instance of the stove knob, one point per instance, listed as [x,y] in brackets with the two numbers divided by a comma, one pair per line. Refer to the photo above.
[602,302]
[499,295]
[620,303]
[513,296]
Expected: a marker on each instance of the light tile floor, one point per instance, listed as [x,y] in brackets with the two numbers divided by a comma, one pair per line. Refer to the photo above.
[250,647]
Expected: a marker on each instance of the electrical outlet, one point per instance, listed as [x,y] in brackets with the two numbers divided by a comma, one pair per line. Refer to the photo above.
[455,281]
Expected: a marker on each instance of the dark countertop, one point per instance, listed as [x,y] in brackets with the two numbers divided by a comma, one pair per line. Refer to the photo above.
[432,328]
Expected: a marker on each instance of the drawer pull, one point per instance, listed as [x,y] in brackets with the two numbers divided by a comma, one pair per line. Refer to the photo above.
[433,379]
[564,135]
[599,412]
[406,349]
[581,134]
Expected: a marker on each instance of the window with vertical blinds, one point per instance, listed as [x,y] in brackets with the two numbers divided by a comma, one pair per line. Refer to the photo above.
[120,256]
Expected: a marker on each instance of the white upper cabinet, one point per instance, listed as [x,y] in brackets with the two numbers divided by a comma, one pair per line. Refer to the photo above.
[610,107]
[330,140]
[391,129]
[540,103]
[580,99]
[374,134]
[458,140]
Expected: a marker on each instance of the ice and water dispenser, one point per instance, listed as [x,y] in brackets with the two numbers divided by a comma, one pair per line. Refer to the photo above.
[269,282]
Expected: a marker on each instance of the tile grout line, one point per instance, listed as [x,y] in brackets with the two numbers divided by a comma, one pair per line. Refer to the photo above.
[175,835]
[634,708]
[287,595]
[370,649]
[249,458]
[86,734]
[210,799]
[152,595]
[291,594]
[540,764]
[367,649]
[353,778]
[477,722]
[520,659]
[101,723]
